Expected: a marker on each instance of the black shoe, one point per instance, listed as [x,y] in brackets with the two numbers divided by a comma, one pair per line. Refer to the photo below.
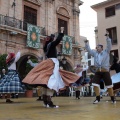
[16,96]
[0,97]
[97,100]
[45,103]
[113,99]
[12,95]
[77,94]
[9,101]
[51,105]
[78,98]
[39,99]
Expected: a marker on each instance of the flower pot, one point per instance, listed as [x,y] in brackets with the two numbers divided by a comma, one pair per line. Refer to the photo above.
[29,93]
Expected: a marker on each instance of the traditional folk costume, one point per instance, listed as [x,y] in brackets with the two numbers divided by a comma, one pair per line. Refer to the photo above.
[116,77]
[48,74]
[102,65]
[81,81]
[102,88]
[11,82]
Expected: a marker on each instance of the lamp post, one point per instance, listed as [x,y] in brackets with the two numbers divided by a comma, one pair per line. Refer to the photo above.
[64,60]
[61,58]
[13,5]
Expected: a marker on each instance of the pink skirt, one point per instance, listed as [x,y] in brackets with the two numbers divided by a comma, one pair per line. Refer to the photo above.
[40,74]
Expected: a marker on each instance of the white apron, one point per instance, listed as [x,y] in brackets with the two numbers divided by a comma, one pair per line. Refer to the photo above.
[55,81]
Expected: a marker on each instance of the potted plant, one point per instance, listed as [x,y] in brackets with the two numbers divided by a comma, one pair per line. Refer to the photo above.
[29,88]
[29,91]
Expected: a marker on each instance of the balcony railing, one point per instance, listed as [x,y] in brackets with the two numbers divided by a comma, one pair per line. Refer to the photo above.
[19,24]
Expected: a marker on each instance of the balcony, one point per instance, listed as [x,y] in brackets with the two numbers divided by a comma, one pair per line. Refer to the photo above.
[15,23]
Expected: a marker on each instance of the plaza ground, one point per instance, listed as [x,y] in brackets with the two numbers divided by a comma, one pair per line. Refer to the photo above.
[70,109]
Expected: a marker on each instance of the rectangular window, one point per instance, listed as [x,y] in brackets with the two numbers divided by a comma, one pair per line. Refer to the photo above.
[113,35]
[89,56]
[110,11]
[63,23]
[30,16]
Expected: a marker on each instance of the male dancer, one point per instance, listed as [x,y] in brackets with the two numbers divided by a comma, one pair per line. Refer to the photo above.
[101,58]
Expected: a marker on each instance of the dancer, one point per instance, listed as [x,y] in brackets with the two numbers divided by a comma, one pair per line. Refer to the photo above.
[39,88]
[116,77]
[102,88]
[48,74]
[11,83]
[80,82]
[101,58]
[2,75]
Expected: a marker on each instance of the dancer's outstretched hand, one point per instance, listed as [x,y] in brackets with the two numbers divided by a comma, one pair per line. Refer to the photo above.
[86,41]
[28,57]
[107,34]
[62,29]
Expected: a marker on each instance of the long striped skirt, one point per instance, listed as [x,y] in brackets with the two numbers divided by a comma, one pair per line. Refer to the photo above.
[11,83]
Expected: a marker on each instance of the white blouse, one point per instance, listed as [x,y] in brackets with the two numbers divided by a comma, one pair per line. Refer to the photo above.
[84,69]
[13,65]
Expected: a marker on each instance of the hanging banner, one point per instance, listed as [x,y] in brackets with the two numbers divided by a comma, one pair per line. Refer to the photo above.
[33,36]
[67,45]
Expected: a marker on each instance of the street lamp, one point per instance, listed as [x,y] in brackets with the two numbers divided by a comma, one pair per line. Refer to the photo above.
[61,58]
[13,5]
[64,60]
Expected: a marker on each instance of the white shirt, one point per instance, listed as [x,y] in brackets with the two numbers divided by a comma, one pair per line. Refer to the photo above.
[13,65]
[84,69]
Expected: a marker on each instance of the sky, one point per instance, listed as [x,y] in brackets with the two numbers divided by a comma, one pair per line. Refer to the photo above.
[88,20]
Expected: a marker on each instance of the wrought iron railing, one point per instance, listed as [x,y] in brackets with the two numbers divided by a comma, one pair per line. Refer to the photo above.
[16,23]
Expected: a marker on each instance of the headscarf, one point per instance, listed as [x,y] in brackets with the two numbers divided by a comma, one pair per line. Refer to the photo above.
[11,59]
[48,39]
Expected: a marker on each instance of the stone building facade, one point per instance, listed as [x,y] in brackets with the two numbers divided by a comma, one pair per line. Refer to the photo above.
[49,15]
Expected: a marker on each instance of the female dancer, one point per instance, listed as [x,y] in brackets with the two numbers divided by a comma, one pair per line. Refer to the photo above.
[11,82]
[48,74]
[80,82]
[116,77]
